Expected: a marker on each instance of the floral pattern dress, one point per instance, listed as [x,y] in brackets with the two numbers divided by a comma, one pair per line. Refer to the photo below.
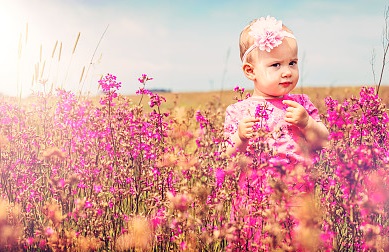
[266,188]
[287,140]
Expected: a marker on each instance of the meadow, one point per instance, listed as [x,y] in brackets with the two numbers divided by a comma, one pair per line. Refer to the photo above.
[199,100]
[149,173]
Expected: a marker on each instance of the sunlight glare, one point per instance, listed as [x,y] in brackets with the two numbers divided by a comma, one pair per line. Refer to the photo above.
[8,49]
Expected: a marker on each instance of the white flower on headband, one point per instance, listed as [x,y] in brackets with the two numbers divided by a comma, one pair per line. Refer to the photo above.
[267,33]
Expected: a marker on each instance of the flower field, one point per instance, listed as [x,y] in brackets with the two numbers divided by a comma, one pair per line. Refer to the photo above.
[125,174]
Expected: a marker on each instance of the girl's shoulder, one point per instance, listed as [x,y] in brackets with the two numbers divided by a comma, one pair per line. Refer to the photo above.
[300,98]
[242,108]
[240,104]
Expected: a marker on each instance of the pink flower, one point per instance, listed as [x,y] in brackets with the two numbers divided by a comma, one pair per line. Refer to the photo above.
[377,188]
[156,100]
[30,241]
[183,246]
[97,188]
[267,33]
[144,78]
[220,174]
[49,231]
[42,244]
[239,89]
[88,204]
[100,212]
[61,183]
[109,84]
[28,207]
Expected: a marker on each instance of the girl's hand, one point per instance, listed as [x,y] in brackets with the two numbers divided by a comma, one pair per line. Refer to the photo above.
[296,114]
[245,128]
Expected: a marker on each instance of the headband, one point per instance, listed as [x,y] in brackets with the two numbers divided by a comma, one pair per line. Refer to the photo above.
[267,33]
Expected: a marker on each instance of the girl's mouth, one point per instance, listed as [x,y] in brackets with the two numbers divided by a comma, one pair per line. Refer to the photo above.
[286,84]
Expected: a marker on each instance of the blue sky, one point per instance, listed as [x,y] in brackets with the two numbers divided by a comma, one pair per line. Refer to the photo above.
[184,45]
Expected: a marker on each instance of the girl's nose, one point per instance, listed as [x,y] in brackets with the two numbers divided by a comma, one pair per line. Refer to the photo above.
[286,72]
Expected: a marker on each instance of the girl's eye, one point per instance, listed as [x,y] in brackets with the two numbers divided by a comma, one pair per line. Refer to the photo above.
[293,63]
[276,65]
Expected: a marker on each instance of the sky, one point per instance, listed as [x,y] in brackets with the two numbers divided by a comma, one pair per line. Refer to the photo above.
[184,45]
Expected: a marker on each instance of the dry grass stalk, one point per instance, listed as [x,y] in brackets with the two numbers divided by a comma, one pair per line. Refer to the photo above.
[139,236]
[75,44]
[82,74]
[55,47]
[60,52]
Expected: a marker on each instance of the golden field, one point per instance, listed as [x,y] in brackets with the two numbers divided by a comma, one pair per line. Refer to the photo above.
[317,95]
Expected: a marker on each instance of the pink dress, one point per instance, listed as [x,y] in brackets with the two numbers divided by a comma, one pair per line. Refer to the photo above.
[256,193]
[287,141]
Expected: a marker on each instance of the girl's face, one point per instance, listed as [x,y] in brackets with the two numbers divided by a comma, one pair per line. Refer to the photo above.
[276,73]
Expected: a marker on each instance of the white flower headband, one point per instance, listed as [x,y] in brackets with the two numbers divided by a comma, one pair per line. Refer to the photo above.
[267,33]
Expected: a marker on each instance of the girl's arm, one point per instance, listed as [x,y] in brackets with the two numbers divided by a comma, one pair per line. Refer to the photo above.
[240,139]
[315,133]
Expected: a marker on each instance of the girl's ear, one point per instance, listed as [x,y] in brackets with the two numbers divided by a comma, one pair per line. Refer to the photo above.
[248,70]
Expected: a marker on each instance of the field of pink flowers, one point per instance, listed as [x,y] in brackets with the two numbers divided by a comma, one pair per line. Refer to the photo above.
[113,176]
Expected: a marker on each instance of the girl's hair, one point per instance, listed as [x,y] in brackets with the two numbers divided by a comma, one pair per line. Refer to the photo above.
[245,40]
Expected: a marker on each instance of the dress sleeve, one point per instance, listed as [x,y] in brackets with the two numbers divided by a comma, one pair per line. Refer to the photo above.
[230,122]
[310,107]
